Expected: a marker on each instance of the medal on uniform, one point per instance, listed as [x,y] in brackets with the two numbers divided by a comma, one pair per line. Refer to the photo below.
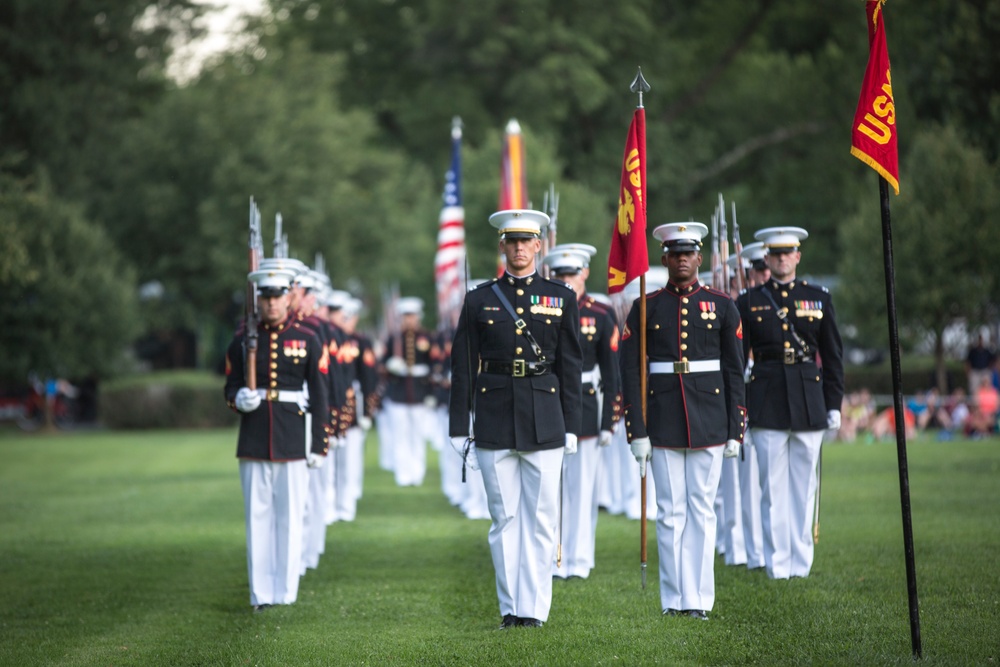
[546,305]
[809,309]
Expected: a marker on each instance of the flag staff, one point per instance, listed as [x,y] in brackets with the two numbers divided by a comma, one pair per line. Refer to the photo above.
[640,86]
[897,401]
[874,142]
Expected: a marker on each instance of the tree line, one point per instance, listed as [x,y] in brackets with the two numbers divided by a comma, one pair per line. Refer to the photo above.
[123,194]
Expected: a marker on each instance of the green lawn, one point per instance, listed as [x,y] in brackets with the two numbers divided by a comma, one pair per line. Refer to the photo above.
[128,549]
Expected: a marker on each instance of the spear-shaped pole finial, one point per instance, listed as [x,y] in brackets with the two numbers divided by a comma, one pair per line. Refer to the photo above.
[639,85]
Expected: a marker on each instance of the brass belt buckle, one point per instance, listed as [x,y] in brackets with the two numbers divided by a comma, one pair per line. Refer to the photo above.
[789,356]
[272,395]
[682,367]
[519,368]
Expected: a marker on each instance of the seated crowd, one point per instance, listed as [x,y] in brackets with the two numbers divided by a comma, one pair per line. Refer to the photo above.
[956,415]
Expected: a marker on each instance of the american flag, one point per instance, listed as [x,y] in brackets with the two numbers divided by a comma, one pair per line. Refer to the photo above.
[449,263]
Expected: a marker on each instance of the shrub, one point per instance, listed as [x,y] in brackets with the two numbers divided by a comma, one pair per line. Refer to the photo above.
[167,399]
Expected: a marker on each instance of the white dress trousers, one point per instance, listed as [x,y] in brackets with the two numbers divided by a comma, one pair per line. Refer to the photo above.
[578,523]
[787,461]
[329,469]
[408,428]
[314,517]
[609,474]
[274,500]
[383,428]
[350,473]
[734,549]
[753,533]
[686,483]
[523,493]
[449,461]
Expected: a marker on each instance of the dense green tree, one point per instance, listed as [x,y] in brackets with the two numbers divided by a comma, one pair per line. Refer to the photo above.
[944,248]
[751,99]
[69,307]
[72,70]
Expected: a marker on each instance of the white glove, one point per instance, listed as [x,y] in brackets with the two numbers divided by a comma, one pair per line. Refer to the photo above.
[570,443]
[365,423]
[247,400]
[642,450]
[732,449]
[458,444]
[604,439]
[833,420]
[396,365]
[314,460]
[430,401]
[471,458]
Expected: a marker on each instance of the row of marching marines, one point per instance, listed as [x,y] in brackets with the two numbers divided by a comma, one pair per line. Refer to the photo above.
[545,404]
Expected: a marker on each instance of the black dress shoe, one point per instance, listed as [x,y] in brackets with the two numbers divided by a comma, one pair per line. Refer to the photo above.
[529,622]
[671,612]
[696,613]
[257,608]
[509,621]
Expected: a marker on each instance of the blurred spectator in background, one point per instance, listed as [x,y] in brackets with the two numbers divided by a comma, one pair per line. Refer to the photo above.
[884,425]
[979,363]
[983,415]
[857,414]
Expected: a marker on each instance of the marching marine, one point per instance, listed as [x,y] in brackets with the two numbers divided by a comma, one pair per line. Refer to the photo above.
[570,263]
[516,366]
[795,392]
[281,432]
[694,415]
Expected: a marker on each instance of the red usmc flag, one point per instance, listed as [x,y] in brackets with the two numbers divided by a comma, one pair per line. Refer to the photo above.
[873,137]
[629,258]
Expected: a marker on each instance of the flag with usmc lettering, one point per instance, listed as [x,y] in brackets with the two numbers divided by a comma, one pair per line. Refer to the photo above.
[629,258]
[873,137]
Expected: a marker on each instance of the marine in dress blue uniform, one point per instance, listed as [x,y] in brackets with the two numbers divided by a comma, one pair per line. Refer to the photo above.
[281,432]
[695,413]
[599,342]
[520,374]
[748,468]
[795,392]
[408,359]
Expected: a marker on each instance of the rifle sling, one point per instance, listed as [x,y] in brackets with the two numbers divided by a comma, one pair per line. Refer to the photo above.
[519,323]
[782,314]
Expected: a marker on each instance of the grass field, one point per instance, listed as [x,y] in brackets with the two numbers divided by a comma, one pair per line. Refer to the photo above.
[128,549]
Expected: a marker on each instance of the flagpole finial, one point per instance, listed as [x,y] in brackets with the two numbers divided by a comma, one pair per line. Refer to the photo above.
[456,127]
[639,85]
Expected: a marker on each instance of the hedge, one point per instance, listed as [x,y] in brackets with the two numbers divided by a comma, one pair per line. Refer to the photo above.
[166,399]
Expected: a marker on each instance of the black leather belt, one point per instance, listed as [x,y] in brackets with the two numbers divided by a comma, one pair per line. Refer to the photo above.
[518,368]
[788,357]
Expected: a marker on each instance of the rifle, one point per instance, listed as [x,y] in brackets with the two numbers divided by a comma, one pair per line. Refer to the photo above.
[723,247]
[741,274]
[280,242]
[550,205]
[716,252]
[255,252]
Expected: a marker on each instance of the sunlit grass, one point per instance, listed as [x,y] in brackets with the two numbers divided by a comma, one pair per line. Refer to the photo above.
[128,549]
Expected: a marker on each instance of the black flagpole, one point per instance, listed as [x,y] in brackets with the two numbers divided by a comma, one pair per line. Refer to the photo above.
[897,399]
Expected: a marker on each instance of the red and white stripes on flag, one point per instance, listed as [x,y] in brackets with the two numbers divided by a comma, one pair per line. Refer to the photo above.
[449,263]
